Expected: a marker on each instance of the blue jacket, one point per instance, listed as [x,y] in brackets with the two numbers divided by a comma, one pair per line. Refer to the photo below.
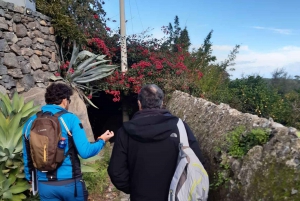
[85,149]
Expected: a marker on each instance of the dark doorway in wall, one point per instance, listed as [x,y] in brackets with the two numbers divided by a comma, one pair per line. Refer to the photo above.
[109,116]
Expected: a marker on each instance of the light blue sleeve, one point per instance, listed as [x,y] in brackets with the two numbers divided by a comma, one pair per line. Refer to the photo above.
[85,148]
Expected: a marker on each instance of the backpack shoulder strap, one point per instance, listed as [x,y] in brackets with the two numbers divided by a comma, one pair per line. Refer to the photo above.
[182,133]
[58,114]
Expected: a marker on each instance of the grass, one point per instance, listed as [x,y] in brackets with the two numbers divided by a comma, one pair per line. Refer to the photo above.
[97,182]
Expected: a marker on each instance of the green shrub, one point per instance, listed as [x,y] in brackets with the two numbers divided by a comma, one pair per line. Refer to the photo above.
[13,115]
[239,142]
[98,181]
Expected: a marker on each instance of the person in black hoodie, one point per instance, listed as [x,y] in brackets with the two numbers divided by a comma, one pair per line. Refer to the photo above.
[146,148]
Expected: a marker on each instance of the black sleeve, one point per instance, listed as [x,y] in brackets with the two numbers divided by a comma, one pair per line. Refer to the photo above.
[118,167]
[194,144]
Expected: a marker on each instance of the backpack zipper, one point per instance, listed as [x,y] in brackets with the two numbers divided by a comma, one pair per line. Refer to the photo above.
[171,195]
[45,156]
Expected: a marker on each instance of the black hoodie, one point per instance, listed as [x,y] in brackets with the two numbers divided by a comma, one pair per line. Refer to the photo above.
[145,155]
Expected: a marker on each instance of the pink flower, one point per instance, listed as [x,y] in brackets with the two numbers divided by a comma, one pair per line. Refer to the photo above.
[57,74]
[96,16]
[90,96]
[71,70]
[107,28]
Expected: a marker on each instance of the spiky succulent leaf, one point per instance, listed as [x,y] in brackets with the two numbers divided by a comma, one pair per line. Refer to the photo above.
[74,55]
[92,78]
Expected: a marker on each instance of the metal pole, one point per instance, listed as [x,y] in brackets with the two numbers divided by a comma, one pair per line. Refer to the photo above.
[123,38]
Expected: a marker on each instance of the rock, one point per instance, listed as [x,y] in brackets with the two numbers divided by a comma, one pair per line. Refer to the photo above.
[19,9]
[38,46]
[37,94]
[45,30]
[30,19]
[3,45]
[27,82]
[37,52]
[10,37]
[35,62]
[10,60]
[10,6]
[26,52]
[7,81]
[20,58]
[3,24]
[42,22]
[8,16]
[25,42]
[25,67]
[3,4]
[14,26]
[40,85]
[37,33]
[51,30]
[21,30]
[47,54]
[45,67]
[53,66]
[48,43]
[16,49]
[19,87]
[44,60]
[39,76]
[3,70]
[78,107]
[46,37]
[53,48]
[53,56]
[2,13]
[16,72]
[40,40]
[52,38]
[17,18]
[31,25]
[2,89]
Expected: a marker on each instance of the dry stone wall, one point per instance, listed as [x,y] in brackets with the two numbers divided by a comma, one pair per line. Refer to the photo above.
[28,51]
[267,172]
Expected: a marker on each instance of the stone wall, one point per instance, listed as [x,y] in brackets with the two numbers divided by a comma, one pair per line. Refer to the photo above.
[29,56]
[268,172]
[28,51]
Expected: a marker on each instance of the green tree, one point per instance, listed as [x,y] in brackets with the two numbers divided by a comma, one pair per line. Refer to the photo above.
[75,20]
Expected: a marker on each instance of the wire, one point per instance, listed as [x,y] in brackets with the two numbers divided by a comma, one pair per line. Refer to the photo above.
[131,17]
[139,14]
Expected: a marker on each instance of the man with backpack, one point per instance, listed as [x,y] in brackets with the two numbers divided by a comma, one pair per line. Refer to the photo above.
[52,141]
[146,150]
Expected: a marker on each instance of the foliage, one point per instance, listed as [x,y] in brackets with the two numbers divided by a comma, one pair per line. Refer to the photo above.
[239,141]
[253,95]
[83,68]
[13,115]
[75,20]
[219,179]
[98,180]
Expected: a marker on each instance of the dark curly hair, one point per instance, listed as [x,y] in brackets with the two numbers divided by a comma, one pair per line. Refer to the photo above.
[56,92]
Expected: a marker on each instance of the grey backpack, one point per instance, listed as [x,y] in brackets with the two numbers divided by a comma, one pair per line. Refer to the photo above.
[190,181]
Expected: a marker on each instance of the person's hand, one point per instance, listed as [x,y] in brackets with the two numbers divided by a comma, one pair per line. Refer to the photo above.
[106,136]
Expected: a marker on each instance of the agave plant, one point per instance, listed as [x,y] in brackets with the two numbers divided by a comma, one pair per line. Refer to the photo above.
[13,116]
[88,67]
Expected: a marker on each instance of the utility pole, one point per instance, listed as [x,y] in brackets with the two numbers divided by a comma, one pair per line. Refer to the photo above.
[123,38]
[123,54]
